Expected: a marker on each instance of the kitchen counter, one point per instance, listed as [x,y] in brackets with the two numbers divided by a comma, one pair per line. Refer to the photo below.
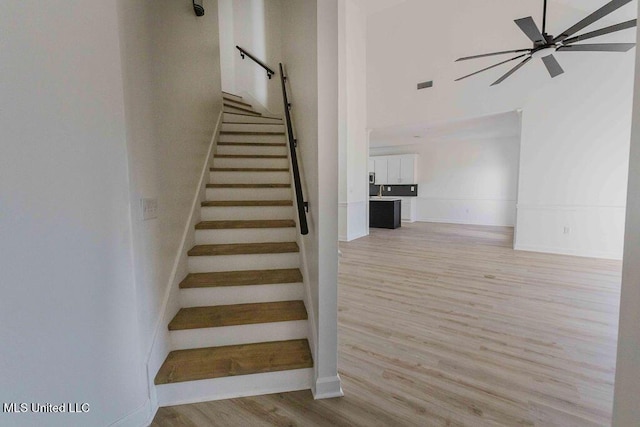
[383,199]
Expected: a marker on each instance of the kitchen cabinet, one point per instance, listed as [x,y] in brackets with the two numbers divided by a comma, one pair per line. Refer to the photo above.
[394,164]
[372,165]
[408,169]
[380,169]
[408,209]
[395,170]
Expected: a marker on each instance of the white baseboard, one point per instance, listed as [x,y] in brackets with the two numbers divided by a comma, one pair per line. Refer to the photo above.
[142,416]
[327,388]
[565,251]
[233,387]
[460,222]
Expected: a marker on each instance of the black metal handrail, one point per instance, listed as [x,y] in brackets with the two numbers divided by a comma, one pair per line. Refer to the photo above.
[243,52]
[303,207]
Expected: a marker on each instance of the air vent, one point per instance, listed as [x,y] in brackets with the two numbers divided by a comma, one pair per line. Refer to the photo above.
[425,85]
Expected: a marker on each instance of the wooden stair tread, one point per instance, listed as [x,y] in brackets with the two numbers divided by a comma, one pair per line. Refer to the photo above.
[246,203]
[248,156]
[241,132]
[249,169]
[236,101]
[241,278]
[252,144]
[238,314]
[233,113]
[248,185]
[246,110]
[256,124]
[245,249]
[231,94]
[218,362]
[226,225]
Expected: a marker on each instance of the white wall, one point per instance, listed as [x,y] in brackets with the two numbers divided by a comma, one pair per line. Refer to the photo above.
[171,71]
[626,410]
[254,25]
[228,49]
[310,50]
[465,181]
[353,187]
[68,307]
[88,132]
[575,128]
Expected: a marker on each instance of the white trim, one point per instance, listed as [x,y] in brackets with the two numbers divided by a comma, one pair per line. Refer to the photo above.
[235,386]
[466,199]
[155,349]
[327,388]
[460,222]
[312,337]
[142,416]
[570,252]
[566,207]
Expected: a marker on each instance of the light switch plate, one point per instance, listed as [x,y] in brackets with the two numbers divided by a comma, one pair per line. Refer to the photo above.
[149,209]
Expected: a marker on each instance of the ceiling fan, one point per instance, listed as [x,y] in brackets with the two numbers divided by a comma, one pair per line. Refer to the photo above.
[544,45]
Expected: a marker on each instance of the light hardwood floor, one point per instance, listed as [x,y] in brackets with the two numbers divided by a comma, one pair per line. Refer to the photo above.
[446,325]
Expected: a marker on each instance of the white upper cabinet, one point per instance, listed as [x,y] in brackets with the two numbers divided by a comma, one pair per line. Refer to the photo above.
[395,170]
[408,169]
[372,165]
[380,164]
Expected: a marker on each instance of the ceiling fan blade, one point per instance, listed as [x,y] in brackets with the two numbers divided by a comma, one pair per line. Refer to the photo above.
[602,47]
[602,32]
[595,16]
[493,66]
[513,70]
[552,65]
[492,54]
[529,27]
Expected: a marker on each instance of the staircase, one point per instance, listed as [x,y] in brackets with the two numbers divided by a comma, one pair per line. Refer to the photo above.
[242,328]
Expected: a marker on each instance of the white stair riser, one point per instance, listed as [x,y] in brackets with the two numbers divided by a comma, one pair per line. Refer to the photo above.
[233,387]
[243,213]
[249,194]
[252,150]
[232,97]
[241,334]
[220,162]
[229,295]
[233,110]
[234,118]
[245,235]
[251,138]
[238,104]
[249,177]
[279,127]
[204,264]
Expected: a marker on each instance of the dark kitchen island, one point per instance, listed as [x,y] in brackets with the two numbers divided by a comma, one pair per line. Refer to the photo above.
[385,213]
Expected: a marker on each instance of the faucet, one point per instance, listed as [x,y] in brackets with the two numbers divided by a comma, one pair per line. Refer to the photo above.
[380,191]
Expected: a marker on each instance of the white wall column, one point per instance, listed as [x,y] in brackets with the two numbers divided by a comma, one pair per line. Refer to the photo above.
[626,405]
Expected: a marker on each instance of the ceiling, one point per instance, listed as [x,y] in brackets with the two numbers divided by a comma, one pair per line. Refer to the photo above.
[504,125]
[627,12]
[374,6]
